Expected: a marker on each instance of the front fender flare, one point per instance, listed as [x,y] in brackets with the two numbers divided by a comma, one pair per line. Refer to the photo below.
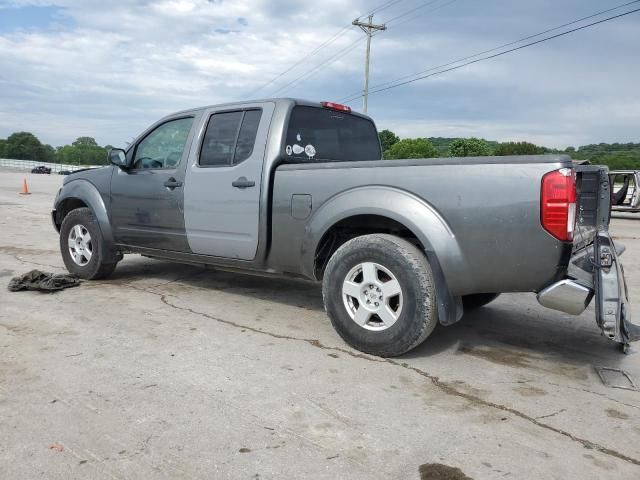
[85,191]
[421,218]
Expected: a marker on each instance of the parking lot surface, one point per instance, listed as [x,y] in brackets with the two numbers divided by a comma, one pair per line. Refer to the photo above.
[173,371]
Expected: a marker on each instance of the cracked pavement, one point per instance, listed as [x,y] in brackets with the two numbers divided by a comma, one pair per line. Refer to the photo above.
[172,371]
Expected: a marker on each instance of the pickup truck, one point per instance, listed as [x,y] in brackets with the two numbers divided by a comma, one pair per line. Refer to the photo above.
[301,188]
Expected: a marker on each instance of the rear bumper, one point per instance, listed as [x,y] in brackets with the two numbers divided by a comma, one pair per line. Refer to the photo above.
[596,272]
[567,296]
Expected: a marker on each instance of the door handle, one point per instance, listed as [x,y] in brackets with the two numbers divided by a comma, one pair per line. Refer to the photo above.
[242,182]
[172,183]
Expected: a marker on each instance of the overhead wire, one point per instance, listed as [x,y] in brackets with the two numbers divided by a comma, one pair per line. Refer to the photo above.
[333,38]
[398,84]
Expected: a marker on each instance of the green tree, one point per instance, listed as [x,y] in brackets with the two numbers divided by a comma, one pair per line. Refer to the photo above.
[411,148]
[3,148]
[469,147]
[387,139]
[519,148]
[26,146]
[85,142]
[83,151]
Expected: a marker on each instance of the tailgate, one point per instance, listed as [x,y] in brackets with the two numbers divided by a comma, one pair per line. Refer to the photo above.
[595,270]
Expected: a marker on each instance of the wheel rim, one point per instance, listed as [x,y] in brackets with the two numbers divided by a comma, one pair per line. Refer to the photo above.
[372,296]
[80,246]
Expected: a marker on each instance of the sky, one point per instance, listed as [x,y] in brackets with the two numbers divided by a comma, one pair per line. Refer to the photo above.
[71,68]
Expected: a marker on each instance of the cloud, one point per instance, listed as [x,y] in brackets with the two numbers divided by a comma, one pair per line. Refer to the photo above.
[109,72]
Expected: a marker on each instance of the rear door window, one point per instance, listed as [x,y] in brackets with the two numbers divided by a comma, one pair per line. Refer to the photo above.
[320,134]
[230,138]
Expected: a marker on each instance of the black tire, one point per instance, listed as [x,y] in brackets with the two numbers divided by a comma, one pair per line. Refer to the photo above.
[95,268]
[418,315]
[477,300]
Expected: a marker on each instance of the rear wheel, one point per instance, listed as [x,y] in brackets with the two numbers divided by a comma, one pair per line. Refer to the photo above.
[379,293]
[81,245]
[478,300]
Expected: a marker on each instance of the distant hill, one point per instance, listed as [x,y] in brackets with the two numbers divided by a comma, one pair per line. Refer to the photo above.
[615,155]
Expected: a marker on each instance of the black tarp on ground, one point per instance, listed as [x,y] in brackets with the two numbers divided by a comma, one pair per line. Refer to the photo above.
[43,281]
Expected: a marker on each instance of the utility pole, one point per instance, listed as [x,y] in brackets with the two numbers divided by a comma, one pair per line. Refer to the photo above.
[368,28]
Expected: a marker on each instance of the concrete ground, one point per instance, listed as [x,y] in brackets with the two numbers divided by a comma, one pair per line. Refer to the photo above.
[171,371]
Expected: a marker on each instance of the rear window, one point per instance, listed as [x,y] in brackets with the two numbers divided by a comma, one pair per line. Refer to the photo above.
[320,134]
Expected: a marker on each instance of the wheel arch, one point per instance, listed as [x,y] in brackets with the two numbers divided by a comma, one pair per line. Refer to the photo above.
[382,209]
[79,194]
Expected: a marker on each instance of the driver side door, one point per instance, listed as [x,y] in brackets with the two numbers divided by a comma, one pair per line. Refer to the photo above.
[147,199]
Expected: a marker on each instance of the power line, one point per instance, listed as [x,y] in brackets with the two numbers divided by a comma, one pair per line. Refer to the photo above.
[501,53]
[381,7]
[402,23]
[506,44]
[424,13]
[341,53]
[324,44]
[409,12]
[496,48]
[328,61]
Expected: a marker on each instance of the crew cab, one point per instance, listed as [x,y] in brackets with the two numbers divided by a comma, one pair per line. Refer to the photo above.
[301,188]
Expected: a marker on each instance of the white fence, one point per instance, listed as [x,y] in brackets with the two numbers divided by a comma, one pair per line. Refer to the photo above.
[29,164]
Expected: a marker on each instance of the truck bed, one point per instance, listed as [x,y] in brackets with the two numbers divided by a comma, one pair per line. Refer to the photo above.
[490,207]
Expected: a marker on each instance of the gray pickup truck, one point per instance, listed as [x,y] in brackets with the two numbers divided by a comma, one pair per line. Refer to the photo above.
[300,188]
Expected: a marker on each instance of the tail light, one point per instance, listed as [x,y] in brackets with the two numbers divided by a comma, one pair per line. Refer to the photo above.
[558,203]
[336,106]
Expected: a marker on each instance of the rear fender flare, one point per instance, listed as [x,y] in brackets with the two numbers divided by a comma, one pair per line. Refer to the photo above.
[422,219]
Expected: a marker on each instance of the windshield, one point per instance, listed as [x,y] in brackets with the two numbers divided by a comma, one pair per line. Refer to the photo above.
[320,134]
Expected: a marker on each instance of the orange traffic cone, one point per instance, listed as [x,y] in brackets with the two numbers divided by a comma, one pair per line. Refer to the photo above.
[25,189]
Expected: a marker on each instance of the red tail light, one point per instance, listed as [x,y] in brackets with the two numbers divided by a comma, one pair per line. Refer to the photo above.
[558,203]
[336,106]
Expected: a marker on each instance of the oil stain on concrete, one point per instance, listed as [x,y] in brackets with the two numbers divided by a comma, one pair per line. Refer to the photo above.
[438,471]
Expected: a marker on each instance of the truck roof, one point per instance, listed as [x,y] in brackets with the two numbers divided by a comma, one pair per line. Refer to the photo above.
[277,101]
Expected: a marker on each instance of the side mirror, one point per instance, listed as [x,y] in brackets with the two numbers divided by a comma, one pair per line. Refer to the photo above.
[118,157]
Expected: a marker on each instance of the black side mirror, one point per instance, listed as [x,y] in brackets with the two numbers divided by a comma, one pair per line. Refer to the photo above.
[118,157]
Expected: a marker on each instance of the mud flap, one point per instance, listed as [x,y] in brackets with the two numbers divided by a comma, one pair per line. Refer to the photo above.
[613,313]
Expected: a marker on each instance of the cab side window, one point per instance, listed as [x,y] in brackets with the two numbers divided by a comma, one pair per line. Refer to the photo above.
[230,138]
[163,147]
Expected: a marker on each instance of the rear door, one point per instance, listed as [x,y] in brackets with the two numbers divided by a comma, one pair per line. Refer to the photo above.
[224,181]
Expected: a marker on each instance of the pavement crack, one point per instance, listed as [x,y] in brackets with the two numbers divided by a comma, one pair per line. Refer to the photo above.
[552,414]
[476,400]
[599,394]
[311,341]
[445,387]
[30,262]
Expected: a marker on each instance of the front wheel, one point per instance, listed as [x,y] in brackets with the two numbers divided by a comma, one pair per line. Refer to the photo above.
[379,293]
[81,245]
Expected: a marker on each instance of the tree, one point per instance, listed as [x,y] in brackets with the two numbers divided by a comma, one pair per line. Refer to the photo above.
[411,148]
[85,142]
[3,147]
[387,139]
[469,147]
[26,146]
[519,148]
[84,151]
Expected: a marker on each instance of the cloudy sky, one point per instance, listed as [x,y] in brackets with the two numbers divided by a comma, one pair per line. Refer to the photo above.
[107,69]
